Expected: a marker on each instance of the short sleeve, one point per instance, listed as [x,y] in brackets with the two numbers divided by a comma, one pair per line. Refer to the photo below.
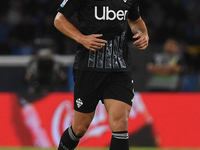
[134,12]
[69,7]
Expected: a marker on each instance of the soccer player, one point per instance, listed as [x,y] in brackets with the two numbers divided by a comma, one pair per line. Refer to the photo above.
[102,64]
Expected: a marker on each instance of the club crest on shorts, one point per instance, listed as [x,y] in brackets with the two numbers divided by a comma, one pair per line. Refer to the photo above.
[79,102]
[63,3]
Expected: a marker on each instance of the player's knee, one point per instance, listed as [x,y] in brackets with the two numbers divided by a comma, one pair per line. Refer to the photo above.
[119,124]
[80,130]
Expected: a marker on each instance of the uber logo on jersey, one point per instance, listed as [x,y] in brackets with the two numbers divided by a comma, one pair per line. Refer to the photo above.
[63,3]
[109,14]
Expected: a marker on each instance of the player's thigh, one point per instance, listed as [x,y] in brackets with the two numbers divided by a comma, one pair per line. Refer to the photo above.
[81,122]
[118,114]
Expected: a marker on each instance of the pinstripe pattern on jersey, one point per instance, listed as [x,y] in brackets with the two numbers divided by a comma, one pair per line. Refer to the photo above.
[91,60]
[110,56]
[100,57]
[120,51]
[115,52]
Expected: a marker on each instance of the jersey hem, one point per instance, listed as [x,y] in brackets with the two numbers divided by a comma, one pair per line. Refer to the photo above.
[104,70]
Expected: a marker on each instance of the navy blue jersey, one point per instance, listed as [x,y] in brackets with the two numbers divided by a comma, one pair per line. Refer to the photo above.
[107,17]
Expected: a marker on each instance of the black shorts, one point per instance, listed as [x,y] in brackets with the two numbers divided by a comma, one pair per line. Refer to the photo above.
[90,87]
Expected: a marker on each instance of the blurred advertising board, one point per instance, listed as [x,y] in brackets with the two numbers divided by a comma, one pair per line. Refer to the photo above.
[156,119]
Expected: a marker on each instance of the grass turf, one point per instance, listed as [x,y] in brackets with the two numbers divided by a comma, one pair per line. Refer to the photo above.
[27,148]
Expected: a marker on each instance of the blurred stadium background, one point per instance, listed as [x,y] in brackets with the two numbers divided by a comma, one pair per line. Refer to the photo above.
[36,82]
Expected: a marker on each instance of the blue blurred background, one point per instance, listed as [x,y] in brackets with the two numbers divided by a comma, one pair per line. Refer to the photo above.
[27,34]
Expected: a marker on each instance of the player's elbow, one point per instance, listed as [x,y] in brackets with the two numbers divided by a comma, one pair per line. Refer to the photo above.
[57,22]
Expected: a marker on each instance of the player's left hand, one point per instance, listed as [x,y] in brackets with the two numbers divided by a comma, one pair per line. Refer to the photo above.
[142,40]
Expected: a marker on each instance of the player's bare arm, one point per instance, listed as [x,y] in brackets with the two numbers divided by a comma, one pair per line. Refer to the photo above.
[91,42]
[140,32]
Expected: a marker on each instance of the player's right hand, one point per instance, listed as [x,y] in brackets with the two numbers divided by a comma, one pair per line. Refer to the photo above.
[92,42]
